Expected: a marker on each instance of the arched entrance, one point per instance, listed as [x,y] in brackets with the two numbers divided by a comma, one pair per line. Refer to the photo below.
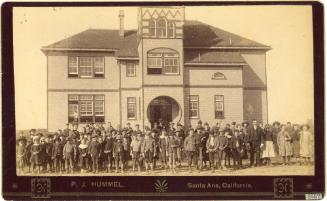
[165,109]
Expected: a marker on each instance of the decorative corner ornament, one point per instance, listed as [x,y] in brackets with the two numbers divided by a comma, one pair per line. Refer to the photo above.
[161,186]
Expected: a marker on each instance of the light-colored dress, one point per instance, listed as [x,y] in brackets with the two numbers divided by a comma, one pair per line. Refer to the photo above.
[284,144]
[306,141]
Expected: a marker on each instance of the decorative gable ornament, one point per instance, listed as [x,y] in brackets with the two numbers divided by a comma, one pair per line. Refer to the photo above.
[218,76]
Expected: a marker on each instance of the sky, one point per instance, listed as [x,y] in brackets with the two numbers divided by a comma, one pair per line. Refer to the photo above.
[287,29]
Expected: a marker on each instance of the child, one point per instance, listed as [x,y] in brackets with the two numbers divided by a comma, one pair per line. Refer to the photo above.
[48,153]
[57,155]
[135,151]
[28,154]
[222,144]
[179,147]
[147,150]
[212,146]
[20,155]
[108,152]
[267,140]
[83,158]
[118,150]
[94,150]
[172,150]
[163,148]
[68,155]
[35,154]
[306,141]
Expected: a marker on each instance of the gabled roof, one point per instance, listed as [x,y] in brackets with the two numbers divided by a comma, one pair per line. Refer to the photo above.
[196,35]
[226,57]
[100,39]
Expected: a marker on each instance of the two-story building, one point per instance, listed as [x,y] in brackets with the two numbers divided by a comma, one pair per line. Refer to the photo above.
[169,68]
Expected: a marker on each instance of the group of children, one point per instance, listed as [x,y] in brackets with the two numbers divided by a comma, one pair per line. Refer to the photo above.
[97,149]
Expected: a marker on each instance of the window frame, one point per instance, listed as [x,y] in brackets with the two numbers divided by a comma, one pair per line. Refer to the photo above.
[220,77]
[77,101]
[161,29]
[198,106]
[173,29]
[217,100]
[95,74]
[173,54]
[134,103]
[127,69]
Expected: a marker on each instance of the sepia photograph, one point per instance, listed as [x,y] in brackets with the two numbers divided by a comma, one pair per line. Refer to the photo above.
[164,91]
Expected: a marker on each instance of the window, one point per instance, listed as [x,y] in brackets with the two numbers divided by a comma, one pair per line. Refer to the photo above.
[98,66]
[218,76]
[161,30]
[152,28]
[194,106]
[163,61]
[85,67]
[171,30]
[131,108]
[130,69]
[171,63]
[86,108]
[219,106]
[73,66]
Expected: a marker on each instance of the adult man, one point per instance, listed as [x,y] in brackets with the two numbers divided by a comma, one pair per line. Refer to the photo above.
[163,143]
[148,150]
[190,144]
[255,133]
[94,150]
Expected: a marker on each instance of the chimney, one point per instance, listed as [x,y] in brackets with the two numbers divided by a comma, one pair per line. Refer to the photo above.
[121,23]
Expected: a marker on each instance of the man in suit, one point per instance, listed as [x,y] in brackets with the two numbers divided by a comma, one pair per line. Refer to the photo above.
[255,134]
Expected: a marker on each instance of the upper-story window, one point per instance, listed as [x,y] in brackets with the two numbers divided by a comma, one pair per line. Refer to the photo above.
[163,61]
[171,30]
[152,27]
[130,69]
[161,28]
[85,67]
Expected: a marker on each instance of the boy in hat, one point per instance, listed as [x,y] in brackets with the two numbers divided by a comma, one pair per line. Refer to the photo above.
[94,150]
[190,146]
[172,150]
[118,151]
[148,151]
[57,155]
[163,148]
[180,141]
[212,146]
[68,155]
[222,144]
[109,143]
[127,147]
[48,153]
[135,151]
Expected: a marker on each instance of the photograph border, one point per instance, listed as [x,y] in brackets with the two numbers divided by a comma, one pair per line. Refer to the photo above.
[23,187]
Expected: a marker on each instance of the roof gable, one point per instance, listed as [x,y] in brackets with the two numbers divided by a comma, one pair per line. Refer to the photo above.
[198,34]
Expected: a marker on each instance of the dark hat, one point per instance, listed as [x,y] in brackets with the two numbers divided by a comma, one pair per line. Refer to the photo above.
[234,123]
[179,124]
[206,123]
[33,130]
[199,122]
[245,122]
[137,124]
[128,123]
[276,123]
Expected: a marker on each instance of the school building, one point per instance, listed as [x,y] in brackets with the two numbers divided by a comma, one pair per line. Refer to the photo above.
[169,68]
